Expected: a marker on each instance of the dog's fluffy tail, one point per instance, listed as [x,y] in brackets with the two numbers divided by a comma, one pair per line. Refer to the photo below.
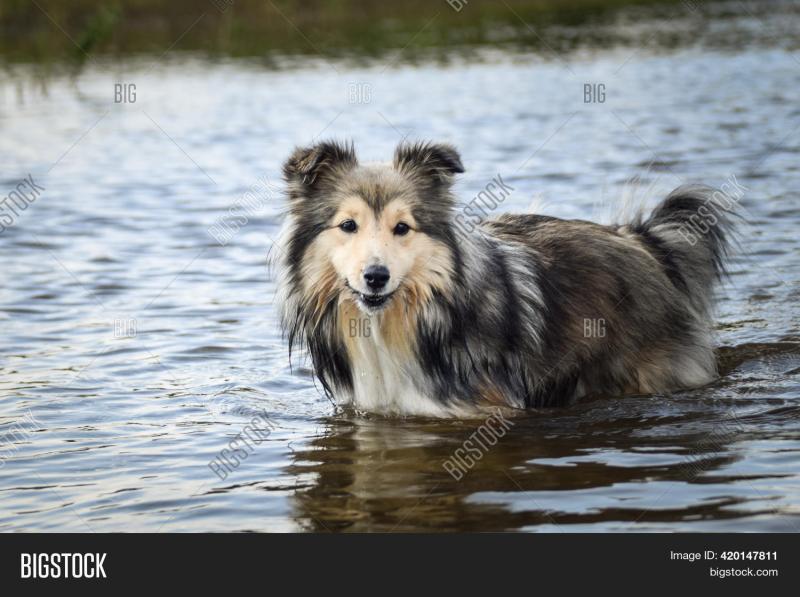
[689,233]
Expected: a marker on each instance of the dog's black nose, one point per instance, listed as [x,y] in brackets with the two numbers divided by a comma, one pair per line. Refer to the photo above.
[376,276]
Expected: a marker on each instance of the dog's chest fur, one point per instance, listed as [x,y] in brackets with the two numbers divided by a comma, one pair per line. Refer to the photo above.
[387,377]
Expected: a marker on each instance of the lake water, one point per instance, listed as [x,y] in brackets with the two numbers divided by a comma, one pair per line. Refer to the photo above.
[135,345]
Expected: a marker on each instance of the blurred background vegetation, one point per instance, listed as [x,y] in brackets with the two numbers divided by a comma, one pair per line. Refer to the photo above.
[43,30]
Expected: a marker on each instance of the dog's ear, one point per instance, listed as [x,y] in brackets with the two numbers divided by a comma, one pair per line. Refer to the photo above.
[429,162]
[308,166]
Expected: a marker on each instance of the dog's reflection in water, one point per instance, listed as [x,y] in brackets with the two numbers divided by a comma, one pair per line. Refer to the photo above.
[387,475]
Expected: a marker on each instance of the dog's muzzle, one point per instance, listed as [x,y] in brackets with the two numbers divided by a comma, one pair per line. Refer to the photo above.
[370,300]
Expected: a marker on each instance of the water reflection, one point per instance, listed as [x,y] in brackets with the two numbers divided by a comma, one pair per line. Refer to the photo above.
[592,464]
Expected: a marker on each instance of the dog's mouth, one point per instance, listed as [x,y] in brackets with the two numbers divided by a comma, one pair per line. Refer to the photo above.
[370,301]
[373,301]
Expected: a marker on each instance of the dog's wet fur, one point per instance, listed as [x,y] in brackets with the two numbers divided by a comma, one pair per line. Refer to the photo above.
[404,314]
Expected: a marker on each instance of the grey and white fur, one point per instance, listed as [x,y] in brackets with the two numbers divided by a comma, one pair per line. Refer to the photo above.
[527,311]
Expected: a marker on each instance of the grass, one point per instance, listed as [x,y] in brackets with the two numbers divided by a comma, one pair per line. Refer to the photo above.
[44,30]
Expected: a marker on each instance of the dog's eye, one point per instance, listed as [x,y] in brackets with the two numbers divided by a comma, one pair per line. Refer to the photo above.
[348,226]
[401,229]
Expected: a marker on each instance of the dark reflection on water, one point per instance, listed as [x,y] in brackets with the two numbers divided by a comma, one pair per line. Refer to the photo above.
[658,462]
[136,346]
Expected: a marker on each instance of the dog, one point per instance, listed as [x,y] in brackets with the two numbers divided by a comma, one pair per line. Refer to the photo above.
[405,313]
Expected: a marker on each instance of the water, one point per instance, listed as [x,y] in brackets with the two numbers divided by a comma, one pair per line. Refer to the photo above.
[135,346]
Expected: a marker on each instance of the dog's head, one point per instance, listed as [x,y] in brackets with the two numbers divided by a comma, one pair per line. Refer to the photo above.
[374,232]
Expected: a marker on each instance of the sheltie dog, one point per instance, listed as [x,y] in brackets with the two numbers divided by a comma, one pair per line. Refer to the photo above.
[404,312]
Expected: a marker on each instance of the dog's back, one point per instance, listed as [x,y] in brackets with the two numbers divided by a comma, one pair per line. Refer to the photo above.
[626,308]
